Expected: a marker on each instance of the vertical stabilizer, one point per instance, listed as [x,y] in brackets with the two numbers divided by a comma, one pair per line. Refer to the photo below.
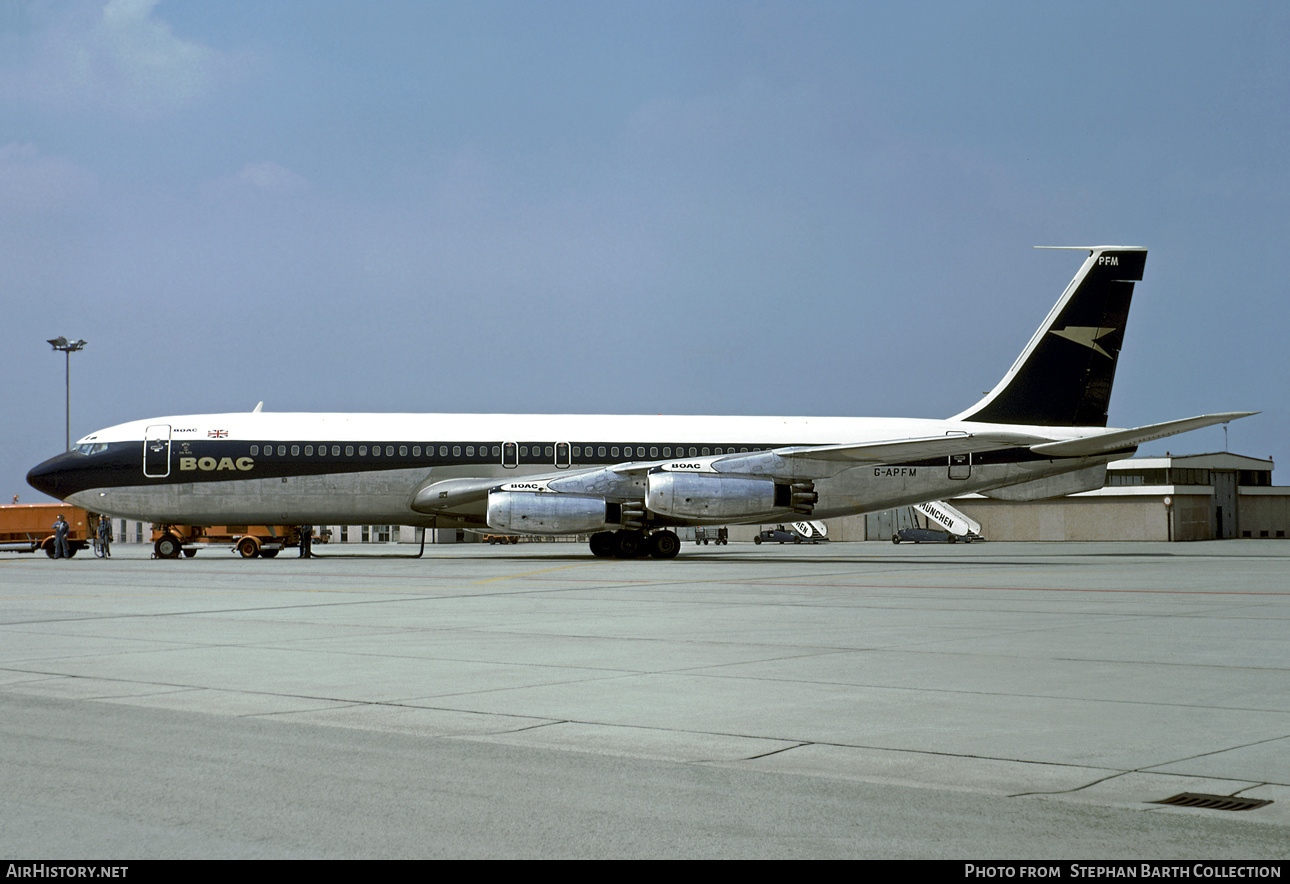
[1063,378]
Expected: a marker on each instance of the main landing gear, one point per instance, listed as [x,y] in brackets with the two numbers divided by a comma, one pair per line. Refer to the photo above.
[635,544]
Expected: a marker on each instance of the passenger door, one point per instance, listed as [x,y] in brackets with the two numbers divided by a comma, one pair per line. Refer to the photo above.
[156,451]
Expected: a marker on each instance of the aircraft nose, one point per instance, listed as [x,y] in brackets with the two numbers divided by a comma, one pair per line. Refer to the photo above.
[53,477]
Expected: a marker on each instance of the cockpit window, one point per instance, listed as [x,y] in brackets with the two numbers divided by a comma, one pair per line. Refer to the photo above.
[91,448]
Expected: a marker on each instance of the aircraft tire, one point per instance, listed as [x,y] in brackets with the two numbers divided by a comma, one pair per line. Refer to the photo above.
[664,545]
[602,544]
[629,544]
[167,547]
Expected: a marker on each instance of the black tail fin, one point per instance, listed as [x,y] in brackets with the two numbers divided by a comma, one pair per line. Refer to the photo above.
[1063,378]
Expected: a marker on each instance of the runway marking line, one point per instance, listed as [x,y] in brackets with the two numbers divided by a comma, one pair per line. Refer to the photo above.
[531,573]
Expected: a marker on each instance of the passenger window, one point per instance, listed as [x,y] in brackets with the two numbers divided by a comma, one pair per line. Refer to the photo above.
[309,450]
[282,451]
[349,450]
[362,451]
[389,451]
[470,451]
[255,449]
[456,451]
[600,452]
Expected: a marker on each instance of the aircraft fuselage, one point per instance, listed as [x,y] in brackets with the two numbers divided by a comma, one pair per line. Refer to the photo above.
[365,468]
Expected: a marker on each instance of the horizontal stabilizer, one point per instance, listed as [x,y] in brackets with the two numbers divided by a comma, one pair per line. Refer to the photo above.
[1122,439]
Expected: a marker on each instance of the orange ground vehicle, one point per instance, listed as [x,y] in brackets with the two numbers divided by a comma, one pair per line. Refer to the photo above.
[169,541]
[27,527]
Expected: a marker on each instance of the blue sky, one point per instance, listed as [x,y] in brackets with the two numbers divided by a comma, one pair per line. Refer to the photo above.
[617,207]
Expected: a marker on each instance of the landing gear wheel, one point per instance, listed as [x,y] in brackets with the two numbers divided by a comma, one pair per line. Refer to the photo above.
[603,544]
[167,547]
[631,544]
[247,548]
[664,545]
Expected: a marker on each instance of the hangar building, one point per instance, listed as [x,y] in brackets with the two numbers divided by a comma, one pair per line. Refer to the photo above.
[1175,497]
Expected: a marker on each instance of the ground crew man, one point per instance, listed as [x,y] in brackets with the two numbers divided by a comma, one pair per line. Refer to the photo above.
[60,538]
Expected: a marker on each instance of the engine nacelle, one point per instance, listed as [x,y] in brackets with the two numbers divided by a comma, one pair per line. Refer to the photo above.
[544,513]
[691,496]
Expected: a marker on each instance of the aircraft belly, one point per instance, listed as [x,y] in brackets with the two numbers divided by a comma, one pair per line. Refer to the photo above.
[342,498]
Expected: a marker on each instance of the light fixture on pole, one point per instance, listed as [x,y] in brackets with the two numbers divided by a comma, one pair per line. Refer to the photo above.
[68,347]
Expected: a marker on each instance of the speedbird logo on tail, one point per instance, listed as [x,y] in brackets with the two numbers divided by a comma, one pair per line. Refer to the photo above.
[1085,336]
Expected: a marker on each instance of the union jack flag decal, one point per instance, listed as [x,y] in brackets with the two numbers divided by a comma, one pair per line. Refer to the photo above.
[216,434]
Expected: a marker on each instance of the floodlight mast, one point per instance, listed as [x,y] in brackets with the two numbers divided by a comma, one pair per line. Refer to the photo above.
[68,348]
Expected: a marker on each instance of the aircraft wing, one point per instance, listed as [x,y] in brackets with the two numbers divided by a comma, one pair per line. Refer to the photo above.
[898,450]
[1118,440]
[467,497]
[627,480]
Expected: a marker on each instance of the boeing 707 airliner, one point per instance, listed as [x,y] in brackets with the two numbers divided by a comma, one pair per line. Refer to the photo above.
[628,481]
